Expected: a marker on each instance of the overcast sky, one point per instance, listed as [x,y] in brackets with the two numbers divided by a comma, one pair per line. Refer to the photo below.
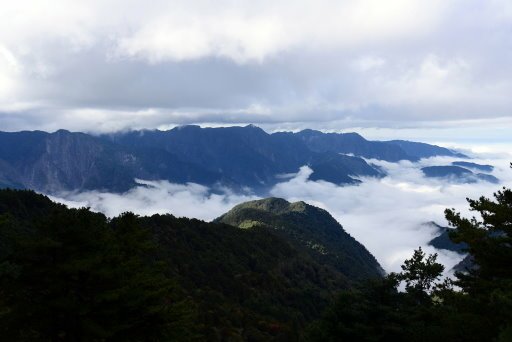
[425,67]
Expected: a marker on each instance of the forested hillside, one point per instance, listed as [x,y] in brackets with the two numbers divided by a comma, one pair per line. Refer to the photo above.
[72,272]
[278,271]
[310,229]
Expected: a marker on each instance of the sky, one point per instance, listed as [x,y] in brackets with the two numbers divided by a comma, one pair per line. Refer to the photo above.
[387,215]
[429,70]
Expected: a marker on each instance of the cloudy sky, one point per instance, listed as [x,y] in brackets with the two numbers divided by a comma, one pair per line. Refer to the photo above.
[426,67]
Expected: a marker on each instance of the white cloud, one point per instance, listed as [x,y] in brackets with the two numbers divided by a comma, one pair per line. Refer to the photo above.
[178,39]
[158,197]
[242,31]
[368,63]
[386,215]
[9,68]
[446,82]
[250,31]
[377,63]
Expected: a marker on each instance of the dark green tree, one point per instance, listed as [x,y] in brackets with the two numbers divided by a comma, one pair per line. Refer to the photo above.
[378,311]
[371,312]
[486,288]
[75,276]
[420,274]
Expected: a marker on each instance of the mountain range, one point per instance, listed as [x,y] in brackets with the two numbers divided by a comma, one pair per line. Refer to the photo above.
[238,157]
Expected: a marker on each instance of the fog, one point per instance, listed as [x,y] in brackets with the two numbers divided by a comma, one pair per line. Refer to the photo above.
[387,215]
[158,197]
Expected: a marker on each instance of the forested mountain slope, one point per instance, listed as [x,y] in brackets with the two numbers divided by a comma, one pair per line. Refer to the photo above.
[221,282]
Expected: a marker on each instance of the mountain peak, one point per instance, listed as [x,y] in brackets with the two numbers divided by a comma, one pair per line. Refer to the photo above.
[310,229]
[248,128]
[186,127]
[62,131]
[253,126]
[309,131]
[273,205]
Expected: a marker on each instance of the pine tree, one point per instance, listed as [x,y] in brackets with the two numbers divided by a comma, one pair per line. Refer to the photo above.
[486,288]
[420,274]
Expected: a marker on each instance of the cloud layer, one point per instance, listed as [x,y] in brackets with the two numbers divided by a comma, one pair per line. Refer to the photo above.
[110,65]
[386,215]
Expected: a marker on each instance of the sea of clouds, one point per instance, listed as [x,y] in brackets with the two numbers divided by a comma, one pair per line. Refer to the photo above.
[387,215]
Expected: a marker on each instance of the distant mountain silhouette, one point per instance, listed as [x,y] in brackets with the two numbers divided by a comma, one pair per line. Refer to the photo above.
[474,166]
[422,150]
[443,241]
[237,157]
[350,143]
[457,174]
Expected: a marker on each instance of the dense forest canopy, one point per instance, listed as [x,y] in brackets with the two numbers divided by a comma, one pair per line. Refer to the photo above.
[88,277]
[75,275]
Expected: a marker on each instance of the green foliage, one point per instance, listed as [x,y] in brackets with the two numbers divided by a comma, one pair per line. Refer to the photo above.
[371,312]
[72,275]
[377,311]
[486,288]
[249,284]
[420,274]
[311,230]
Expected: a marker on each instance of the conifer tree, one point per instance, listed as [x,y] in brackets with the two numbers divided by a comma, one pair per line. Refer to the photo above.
[486,288]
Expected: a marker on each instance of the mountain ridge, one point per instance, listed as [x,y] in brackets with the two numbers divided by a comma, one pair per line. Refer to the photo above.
[236,157]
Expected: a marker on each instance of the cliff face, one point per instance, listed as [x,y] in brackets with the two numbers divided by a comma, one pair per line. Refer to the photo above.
[64,161]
